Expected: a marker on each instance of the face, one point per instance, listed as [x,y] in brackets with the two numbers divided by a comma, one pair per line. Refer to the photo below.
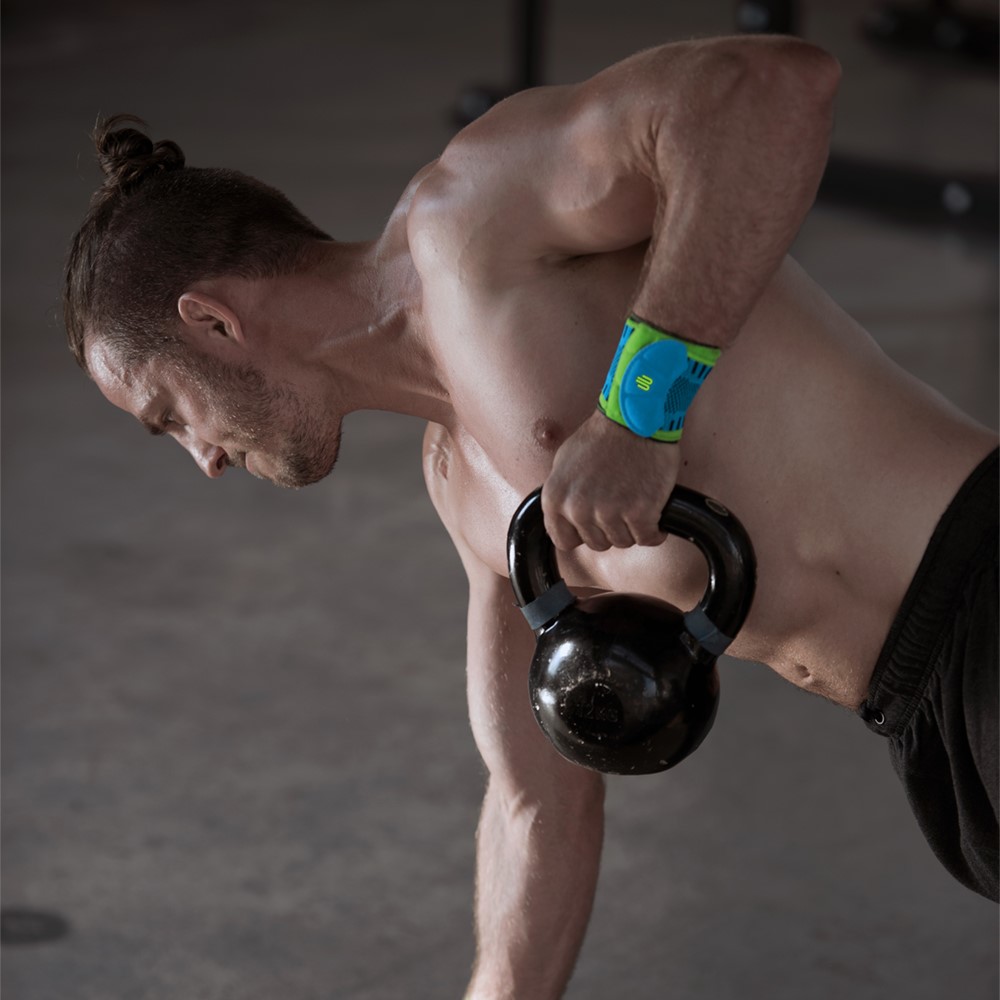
[223,415]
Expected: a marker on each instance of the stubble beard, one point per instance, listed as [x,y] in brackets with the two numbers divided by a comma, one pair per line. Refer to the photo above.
[269,420]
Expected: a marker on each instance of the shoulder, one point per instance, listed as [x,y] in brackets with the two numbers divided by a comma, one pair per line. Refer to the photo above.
[546,173]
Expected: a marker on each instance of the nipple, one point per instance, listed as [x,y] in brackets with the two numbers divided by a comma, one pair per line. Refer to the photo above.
[547,434]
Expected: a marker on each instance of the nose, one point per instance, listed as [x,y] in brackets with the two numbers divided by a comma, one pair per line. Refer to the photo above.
[210,458]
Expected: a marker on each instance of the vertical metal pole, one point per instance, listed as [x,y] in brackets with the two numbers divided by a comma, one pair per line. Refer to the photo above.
[529,18]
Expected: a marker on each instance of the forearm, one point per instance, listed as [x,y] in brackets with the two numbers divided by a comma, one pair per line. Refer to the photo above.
[711,152]
[738,156]
[536,876]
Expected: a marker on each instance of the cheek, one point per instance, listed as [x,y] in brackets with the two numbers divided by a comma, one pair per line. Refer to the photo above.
[263,421]
[242,412]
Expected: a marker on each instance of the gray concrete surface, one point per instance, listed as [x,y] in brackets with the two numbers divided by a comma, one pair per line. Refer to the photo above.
[235,752]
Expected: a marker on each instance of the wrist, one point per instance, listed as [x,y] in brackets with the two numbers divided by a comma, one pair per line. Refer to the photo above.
[604,427]
[653,380]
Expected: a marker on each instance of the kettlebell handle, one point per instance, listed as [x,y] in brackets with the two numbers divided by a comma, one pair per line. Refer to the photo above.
[732,566]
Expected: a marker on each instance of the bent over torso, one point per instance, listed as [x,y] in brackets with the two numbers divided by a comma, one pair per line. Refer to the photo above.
[838,463]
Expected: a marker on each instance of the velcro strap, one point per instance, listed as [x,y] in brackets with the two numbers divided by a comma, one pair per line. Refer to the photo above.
[701,628]
[553,602]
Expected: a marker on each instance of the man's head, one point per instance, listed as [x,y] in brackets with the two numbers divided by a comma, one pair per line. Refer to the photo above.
[223,414]
[156,230]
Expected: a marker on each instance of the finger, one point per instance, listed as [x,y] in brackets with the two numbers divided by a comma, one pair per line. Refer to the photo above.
[647,534]
[644,526]
[564,536]
[651,540]
[594,537]
[618,534]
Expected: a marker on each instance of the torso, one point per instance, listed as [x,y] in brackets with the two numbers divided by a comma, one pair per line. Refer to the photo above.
[838,463]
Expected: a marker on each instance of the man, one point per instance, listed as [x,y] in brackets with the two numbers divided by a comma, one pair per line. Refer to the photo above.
[666,189]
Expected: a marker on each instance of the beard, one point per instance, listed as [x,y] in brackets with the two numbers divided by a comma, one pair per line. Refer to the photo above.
[267,418]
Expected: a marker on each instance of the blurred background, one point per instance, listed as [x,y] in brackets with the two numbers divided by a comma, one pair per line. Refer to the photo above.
[236,759]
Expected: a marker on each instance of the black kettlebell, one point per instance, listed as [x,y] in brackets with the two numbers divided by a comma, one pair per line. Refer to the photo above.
[625,683]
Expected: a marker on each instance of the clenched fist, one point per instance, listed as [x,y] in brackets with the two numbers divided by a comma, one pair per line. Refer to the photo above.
[608,487]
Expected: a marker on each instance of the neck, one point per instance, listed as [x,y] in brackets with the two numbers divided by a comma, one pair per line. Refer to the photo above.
[360,313]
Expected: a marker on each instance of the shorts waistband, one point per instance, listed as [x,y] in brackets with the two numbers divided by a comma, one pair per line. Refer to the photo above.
[966,529]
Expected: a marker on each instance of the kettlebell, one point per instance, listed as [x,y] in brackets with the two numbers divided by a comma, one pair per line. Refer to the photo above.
[627,683]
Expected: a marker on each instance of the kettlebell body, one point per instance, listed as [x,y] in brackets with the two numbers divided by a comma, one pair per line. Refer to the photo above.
[627,683]
[612,693]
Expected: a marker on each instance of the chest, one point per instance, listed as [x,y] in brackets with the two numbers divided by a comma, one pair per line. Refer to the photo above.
[523,350]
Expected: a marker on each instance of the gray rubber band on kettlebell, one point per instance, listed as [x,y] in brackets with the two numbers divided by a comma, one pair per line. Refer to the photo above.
[543,609]
[701,628]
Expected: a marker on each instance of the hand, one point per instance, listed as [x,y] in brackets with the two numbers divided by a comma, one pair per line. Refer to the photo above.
[608,487]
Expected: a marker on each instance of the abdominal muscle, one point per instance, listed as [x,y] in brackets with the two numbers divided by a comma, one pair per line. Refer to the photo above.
[837,462]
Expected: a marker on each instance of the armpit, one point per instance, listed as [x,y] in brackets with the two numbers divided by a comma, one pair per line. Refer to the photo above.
[437,455]
[472,499]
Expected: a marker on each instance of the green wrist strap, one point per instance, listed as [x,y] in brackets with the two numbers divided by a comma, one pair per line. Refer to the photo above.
[653,380]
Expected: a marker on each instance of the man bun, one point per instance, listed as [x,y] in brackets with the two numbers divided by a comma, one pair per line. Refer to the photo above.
[128,156]
[156,227]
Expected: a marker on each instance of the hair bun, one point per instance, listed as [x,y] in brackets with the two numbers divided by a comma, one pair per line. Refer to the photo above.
[128,156]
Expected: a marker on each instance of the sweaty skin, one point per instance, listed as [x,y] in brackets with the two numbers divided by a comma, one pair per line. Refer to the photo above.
[839,478]
[838,463]
[670,186]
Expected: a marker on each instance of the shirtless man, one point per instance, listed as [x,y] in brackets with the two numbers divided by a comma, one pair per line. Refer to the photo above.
[669,187]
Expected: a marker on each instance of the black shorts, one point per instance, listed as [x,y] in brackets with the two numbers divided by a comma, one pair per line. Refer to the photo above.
[934,691]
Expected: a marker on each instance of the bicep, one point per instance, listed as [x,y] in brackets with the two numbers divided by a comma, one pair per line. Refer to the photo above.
[576,169]
[547,172]
[587,168]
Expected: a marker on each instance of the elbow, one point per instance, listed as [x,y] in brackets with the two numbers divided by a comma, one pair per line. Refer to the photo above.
[796,71]
[572,795]
[783,79]
[817,72]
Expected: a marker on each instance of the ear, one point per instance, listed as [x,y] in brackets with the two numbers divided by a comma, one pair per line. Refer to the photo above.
[205,316]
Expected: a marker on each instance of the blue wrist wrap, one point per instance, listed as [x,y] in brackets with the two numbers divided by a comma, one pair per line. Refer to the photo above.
[653,380]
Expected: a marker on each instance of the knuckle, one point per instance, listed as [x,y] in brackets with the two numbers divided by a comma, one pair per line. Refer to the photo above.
[577,510]
[552,500]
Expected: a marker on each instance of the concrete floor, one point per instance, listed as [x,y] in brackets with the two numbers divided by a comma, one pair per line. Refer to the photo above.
[235,753]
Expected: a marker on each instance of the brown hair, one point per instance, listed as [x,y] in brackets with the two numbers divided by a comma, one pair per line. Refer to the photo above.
[157,226]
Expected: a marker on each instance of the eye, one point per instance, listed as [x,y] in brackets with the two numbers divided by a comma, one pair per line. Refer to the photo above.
[167,421]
